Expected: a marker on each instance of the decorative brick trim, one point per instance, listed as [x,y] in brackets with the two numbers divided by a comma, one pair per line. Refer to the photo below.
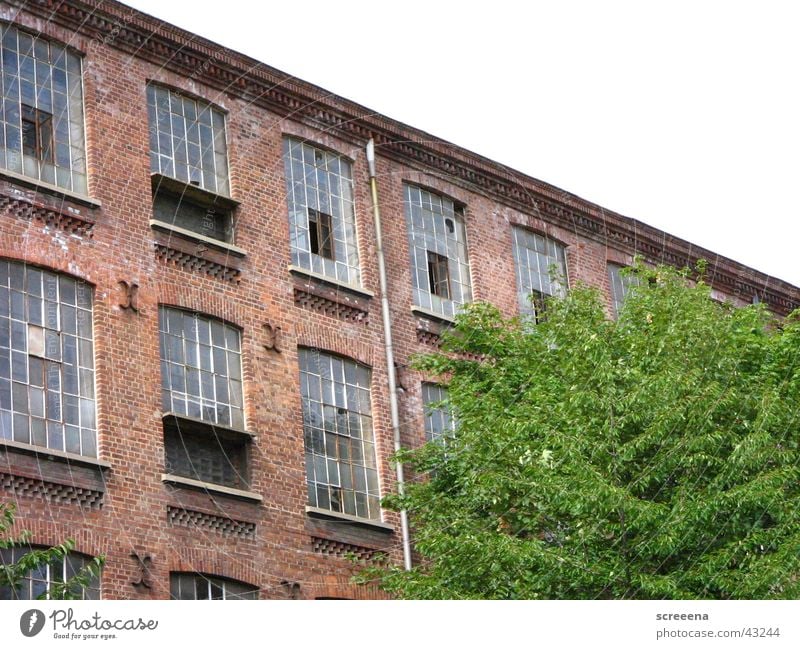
[196,263]
[430,338]
[179,516]
[51,217]
[330,307]
[339,549]
[51,492]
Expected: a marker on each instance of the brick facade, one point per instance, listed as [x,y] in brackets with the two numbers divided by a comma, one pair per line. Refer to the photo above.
[120,506]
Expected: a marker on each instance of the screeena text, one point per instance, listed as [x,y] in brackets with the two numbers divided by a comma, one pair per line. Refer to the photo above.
[64,619]
[681,616]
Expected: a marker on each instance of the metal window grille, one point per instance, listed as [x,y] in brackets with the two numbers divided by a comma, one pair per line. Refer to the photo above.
[341,467]
[438,248]
[47,382]
[187,140]
[41,121]
[535,259]
[322,223]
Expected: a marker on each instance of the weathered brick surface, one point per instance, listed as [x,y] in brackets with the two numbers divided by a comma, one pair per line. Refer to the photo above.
[285,548]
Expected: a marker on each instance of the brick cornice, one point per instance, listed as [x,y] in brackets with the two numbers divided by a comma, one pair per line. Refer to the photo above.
[240,76]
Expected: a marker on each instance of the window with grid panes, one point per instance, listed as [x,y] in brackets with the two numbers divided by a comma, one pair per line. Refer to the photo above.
[322,222]
[190,585]
[341,467]
[41,121]
[39,582]
[439,421]
[187,143]
[201,380]
[620,286]
[47,395]
[438,247]
[534,255]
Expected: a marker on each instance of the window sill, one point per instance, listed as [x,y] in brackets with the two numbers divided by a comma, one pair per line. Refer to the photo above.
[192,193]
[432,315]
[196,238]
[330,281]
[47,188]
[369,523]
[52,454]
[211,487]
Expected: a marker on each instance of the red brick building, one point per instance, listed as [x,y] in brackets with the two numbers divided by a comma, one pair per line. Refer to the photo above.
[193,378]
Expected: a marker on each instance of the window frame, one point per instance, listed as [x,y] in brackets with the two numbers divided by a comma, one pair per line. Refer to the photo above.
[50,392]
[37,121]
[321,235]
[210,581]
[436,225]
[618,282]
[46,76]
[341,457]
[191,191]
[66,566]
[319,180]
[199,444]
[437,408]
[532,302]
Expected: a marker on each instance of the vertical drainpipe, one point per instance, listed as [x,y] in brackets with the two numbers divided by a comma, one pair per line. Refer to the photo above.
[387,336]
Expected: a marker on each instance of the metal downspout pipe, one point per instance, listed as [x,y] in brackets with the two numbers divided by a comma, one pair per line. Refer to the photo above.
[387,335]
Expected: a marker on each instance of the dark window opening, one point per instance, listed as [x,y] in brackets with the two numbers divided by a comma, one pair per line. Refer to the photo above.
[539,304]
[438,275]
[320,233]
[206,455]
[212,221]
[37,133]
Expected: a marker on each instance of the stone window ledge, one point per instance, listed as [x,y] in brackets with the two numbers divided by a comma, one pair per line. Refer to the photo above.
[369,523]
[357,291]
[198,239]
[221,490]
[438,318]
[48,188]
[52,454]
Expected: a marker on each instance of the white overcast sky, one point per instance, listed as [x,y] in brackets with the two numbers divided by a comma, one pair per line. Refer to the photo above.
[684,115]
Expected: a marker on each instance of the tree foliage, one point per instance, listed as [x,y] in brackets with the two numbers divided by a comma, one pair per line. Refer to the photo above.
[655,456]
[12,574]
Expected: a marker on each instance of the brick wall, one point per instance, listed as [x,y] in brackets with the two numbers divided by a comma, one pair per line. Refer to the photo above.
[138,520]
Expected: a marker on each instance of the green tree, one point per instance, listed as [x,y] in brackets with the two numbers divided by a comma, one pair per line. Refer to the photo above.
[12,574]
[655,456]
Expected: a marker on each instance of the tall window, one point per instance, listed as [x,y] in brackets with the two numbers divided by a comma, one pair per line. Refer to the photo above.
[620,286]
[41,121]
[187,140]
[201,388]
[189,585]
[438,247]
[38,583]
[187,144]
[439,421]
[322,221]
[47,393]
[341,465]
[534,255]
